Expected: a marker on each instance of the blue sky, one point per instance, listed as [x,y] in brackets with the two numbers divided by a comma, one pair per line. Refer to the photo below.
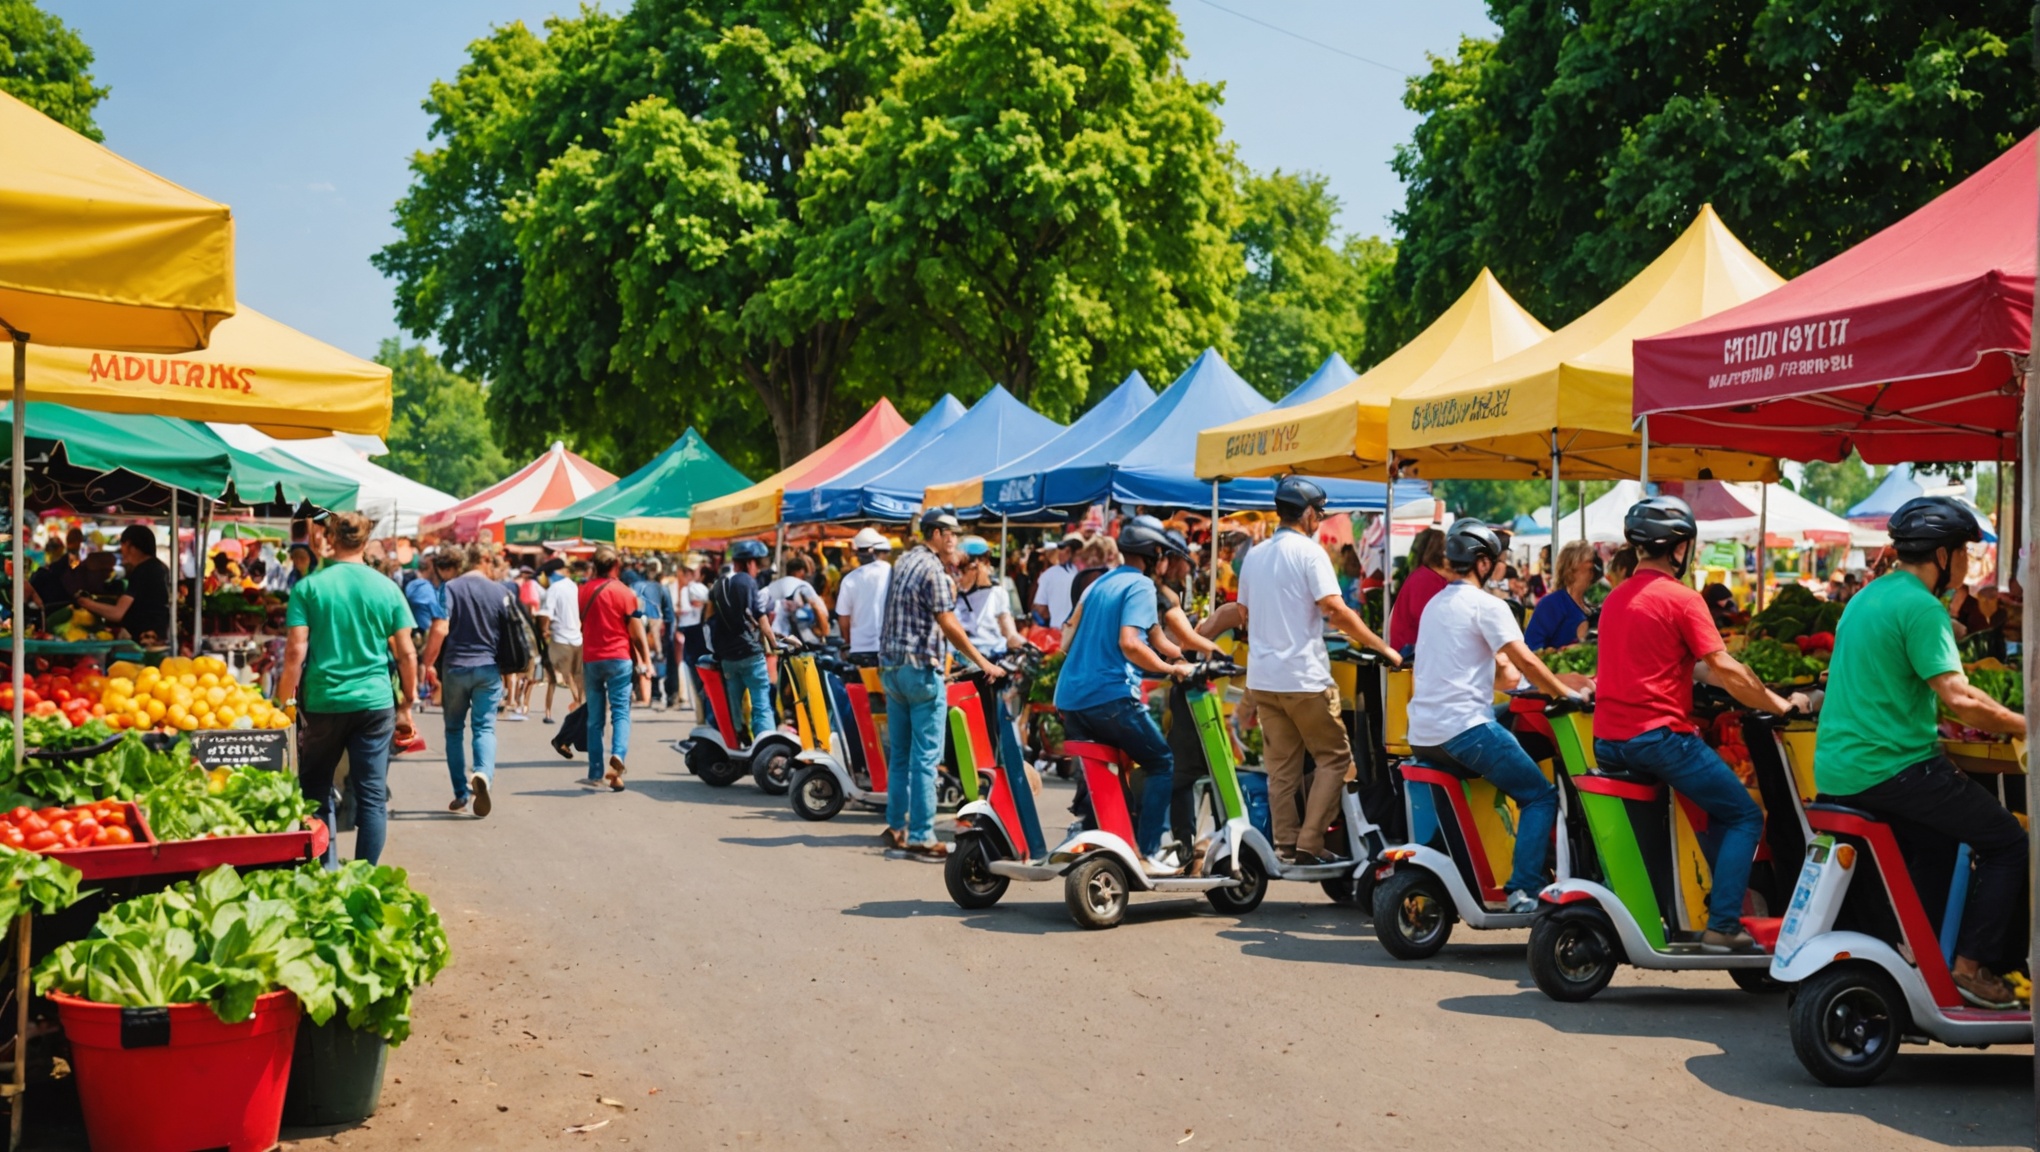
[303,116]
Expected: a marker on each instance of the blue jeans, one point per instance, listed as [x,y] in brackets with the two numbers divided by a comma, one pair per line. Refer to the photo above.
[476,690]
[750,674]
[1685,762]
[365,739]
[1490,750]
[1126,725]
[917,714]
[609,687]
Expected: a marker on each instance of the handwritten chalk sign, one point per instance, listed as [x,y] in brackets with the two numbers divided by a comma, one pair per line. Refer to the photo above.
[242,748]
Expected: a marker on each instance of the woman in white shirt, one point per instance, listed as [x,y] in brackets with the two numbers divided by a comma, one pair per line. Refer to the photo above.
[981,602]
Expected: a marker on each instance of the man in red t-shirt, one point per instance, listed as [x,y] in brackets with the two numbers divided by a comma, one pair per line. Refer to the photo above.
[1654,629]
[613,654]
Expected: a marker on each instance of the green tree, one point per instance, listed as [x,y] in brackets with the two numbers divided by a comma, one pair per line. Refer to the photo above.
[48,67]
[1568,151]
[1304,293]
[1840,486]
[1500,501]
[1044,187]
[439,426]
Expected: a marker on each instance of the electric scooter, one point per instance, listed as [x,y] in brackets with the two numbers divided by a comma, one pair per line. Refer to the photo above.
[1869,972]
[714,752]
[1640,895]
[1462,842]
[850,767]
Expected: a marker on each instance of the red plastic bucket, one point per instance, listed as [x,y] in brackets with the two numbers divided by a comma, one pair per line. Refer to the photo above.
[176,1079]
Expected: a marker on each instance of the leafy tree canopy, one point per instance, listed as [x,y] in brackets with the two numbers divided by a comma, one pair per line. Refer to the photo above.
[1840,486]
[48,67]
[1569,150]
[1304,293]
[439,431]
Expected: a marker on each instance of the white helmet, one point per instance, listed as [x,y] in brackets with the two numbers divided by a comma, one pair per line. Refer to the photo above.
[870,540]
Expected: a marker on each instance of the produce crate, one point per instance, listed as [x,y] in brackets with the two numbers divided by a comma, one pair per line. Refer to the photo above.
[109,861]
[148,856]
[2001,757]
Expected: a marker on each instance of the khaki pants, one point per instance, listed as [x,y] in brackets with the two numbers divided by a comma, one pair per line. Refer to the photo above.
[1293,723]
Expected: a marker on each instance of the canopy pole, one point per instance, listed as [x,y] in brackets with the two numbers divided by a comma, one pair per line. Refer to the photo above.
[18,506]
[1643,459]
[1003,558]
[177,562]
[2001,571]
[1388,547]
[1763,538]
[201,520]
[2029,629]
[1214,546]
[1554,499]
[779,549]
[1580,495]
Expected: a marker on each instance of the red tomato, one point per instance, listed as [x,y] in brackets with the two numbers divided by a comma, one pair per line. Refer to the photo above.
[12,837]
[62,826]
[41,841]
[33,823]
[19,814]
[84,830]
[115,834]
[49,813]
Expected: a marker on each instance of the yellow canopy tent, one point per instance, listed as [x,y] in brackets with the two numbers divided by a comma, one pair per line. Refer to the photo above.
[256,371]
[1565,402]
[1345,434]
[653,533]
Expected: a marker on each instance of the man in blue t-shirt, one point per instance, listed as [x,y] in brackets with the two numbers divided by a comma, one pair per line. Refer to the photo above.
[1098,690]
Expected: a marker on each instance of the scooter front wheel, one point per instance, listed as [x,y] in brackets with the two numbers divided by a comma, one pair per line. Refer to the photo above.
[816,793]
[1412,915]
[773,771]
[1097,891]
[1247,895]
[1846,1024]
[1572,954]
[967,873]
[713,765]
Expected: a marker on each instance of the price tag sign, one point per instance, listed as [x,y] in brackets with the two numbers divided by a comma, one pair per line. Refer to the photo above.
[242,748]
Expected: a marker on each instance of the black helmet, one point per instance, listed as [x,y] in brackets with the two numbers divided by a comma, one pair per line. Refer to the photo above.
[1659,522]
[1469,540]
[1293,494]
[1925,523]
[744,550]
[940,516]
[1145,536]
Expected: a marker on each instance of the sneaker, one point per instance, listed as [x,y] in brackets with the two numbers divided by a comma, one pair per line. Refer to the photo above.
[457,806]
[614,777]
[933,852]
[545,719]
[1722,942]
[592,783]
[479,785]
[1160,865]
[1521,904]
[1984,989]
[519,715]
[892,838]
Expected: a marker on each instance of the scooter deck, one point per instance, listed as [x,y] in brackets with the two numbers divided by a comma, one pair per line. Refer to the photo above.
[1337,870]
[1014,870]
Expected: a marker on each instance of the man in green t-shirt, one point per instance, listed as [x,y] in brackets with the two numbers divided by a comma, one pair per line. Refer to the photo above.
[1879,746]
[346,622]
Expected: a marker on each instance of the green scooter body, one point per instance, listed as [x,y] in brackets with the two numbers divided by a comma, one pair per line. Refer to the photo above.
[1610,823]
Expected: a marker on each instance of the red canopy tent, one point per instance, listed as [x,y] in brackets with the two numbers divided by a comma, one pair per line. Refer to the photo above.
[1904,347]
[754,510]
[551,482]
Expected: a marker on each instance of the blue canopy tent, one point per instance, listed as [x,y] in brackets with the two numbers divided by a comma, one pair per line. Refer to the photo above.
[840,498]
[1012,491]
[1151,460]
[1902,484]
[1330,376]
[998,428]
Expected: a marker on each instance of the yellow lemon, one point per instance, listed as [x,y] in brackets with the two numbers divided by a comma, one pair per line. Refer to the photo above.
[189,723]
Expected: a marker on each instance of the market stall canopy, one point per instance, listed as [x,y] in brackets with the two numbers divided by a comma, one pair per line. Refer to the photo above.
[1904,483]
[1723,511]
[1572,388]
[1150,461]
[98,252]
[1330,376]
[997,430]
[553,481]
[101,459]
[395,502]
[840,497]
[1012,488]
[1906,347]
[1345,433]
[752,510]
[256,371]
[664,489]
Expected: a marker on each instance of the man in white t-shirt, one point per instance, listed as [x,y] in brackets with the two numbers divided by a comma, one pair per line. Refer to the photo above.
[797,609]
[1466,642]
[860,594]
[690,592]
[1289,590]
[1052,601]
[560,609]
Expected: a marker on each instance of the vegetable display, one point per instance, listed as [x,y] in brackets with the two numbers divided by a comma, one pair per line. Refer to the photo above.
[380,935]
[1579,659]
[1728,744]
[185,694]
[1795,611]
[195,804]
[31,882]
[123,772]
[1778,663]
[95,825]
[2005,685]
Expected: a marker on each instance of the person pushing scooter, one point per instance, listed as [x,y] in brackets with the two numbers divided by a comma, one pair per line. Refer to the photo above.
[1468,641]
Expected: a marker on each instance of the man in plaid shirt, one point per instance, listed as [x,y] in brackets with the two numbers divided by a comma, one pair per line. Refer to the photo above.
[920,627]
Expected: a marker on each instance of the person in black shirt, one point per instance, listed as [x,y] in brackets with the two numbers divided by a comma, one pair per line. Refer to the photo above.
[50,585]
[738,618]
[144,611]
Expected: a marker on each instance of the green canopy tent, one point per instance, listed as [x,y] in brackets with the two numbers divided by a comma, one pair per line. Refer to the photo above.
[649,505]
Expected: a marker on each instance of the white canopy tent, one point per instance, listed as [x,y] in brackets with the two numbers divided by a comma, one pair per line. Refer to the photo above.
[395,502]
[1789,515]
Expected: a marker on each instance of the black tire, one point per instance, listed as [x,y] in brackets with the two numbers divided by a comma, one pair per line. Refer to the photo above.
[1352,891]
[1253,886]
[816,793]
[971,884]
[1573,954]
[1757,981]
[713,765]
[1847,1022]
[772,768]
[1096,891]
[1412,915]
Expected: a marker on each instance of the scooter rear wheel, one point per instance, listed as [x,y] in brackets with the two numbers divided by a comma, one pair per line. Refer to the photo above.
[1847,1022]
[816,793]
[1412,915]
[1572,954]
[971,883]
[1096,891]
[773,770]
[713,765]
[1253,886]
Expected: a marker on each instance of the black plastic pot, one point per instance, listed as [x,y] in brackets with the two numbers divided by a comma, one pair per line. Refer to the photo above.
[336,1075]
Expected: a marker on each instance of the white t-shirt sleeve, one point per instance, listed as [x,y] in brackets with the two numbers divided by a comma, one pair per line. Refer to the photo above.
[1318,574]
[1497,624]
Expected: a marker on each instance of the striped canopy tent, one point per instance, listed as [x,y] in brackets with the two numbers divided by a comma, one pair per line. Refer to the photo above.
[551,482]
[647,509]
[754,510]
